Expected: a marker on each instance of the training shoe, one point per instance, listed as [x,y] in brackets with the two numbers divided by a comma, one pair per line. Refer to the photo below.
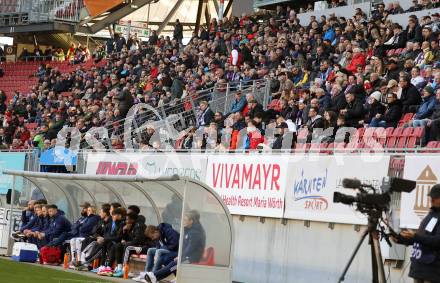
[140,277]
[99,269]
[118,273]
[150,278]
[107,271]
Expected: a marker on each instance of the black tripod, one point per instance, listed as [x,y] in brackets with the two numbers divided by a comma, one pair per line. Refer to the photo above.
[376,256]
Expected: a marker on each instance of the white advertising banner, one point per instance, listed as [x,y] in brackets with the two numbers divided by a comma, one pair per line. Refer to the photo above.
[249,184]
[313,181]
[425,170]
[148,165]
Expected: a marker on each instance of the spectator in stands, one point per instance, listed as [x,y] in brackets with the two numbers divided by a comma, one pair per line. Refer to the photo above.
[373,107]
[353,112]
[433,123]
[80,230]
[410,96]
[194,242]
[415,7]
[178,31]
[281,133]
[392,114]
[205,115]
[413,30]
[425,57]
[425,110]
[239,103]
[315,122]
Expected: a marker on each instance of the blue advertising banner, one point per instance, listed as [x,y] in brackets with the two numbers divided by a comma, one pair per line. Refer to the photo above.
[58,156]
[11,161]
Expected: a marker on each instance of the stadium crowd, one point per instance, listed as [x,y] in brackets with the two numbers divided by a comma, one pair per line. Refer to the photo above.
[334,72]
[110,238]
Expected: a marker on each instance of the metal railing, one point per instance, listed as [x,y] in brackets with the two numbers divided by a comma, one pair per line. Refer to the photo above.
[183,114]
[38,11]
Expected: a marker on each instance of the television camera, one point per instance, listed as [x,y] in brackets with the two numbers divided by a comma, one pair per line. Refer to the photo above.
[373,203]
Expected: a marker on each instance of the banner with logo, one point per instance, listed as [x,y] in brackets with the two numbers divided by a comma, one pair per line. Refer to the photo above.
[425,170]
[58,156]
[11,161]
[249,185]
[313,181]
[149,165]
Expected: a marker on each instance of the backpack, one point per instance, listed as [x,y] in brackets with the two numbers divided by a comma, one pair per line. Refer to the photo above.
[50,255]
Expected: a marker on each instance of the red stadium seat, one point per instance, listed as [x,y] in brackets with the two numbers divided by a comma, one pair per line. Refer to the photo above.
[401,142]
[416,137]
[392,140]
[208,257]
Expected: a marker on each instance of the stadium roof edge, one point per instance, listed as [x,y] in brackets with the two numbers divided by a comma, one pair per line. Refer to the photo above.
[89,177]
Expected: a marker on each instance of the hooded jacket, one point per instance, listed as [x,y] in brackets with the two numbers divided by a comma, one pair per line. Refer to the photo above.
[194,242]
[57,226]
[84,226]
[169,238]
[393,114]
[426,108]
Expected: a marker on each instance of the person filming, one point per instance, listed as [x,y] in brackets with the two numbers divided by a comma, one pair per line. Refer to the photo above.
[425,256]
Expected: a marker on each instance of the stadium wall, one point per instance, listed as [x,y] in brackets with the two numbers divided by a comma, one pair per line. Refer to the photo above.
[304,240]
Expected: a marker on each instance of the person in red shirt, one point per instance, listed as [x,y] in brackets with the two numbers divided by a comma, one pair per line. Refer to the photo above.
[357,60]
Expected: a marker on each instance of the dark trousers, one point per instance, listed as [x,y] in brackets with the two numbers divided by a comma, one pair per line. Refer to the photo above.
[434,131]
[166,271]
[119,251]
[109,252]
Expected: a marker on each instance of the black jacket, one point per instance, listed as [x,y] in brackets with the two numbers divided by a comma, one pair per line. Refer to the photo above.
[135,236]
[338,102]
[410,97]
[425,259]
[393,114]
[113,235]
[355,113]
[375,108]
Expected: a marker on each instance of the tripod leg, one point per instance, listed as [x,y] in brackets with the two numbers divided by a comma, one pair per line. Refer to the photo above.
[353,255]
[373,260]
[380,272]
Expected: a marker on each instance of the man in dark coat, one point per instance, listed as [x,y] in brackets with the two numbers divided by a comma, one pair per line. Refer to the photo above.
[425,261]
[167,248]
[178,31]
[206,115]
[392,114]
[126,101]
[353,112]
[410,97]
[58,229]
[194,242]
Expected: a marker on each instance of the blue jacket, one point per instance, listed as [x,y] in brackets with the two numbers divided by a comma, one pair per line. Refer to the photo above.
[194,242]
[26,217]
[57,226]
[42,223]
[426,108]
[325,101]
[169,238]
[83,227]
[329,35]
[29,220]
[238,106]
